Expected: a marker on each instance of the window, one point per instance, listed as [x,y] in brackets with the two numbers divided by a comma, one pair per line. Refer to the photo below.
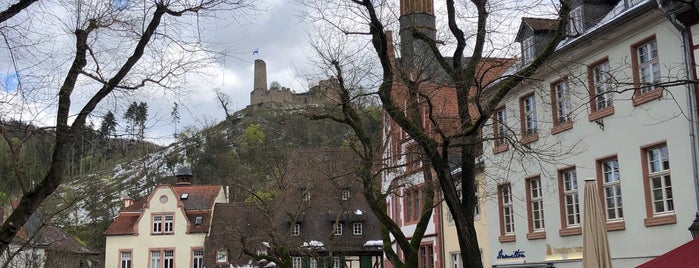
[162,258]
[338,228]
[660,207]
[535,208]
[570,201]
[601,98]
[528,50]
[306,196]
[562,106]
[296,262]
[507,224]
[198,220]
[413,204]
[576,26]
[168,223]
[125,259]
[198,258]
[345,194]
[357,228]
[163,223]
[222,255]
[608,170]
[296,229]
[646,68]
[157,224]
[313,263]
[336,262]
[426,256]
[455,260]
[527,107]
[500,130]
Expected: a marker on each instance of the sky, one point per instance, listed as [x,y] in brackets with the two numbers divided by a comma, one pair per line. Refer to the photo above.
[276,32]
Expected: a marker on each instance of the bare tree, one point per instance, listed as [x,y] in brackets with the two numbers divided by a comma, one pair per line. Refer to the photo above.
[225,101]
[117,47]
[406,91]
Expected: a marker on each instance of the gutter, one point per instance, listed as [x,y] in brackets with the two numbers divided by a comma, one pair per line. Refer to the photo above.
[691,96]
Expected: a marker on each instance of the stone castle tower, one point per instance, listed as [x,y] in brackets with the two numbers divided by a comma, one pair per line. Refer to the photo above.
[281,97]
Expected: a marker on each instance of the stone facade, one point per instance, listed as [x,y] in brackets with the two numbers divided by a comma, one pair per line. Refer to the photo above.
[281,97]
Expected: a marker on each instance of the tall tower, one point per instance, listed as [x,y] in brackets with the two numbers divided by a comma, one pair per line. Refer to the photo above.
[259,89]
[416,15]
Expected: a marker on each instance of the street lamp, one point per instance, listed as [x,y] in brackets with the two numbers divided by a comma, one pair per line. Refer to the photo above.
[694,228]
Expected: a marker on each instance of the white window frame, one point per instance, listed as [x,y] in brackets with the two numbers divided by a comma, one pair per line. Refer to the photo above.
[126,259]
[296,229]
[337,228]
[455,260]
[659,180]
[528,51]
[536,202]
[168,258]
[507,209]
[648,65]
[221,256]
[155,258]
[563,103]
[529,114]
[168,223]
[296,262]
[611,186]
[336,262]
[571,198]
[601,78]
[306,196]
[357,228]
[345,194]
[198,258]
[313,263]
[157,223]
[501,121]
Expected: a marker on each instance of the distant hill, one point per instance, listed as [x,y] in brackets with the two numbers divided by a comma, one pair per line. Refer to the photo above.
[242,152]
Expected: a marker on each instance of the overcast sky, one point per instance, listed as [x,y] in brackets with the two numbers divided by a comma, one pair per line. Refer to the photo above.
[276,32]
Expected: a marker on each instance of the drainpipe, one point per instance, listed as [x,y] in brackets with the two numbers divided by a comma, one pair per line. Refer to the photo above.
[691,96]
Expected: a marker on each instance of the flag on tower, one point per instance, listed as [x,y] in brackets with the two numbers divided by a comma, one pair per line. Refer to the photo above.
[255,51]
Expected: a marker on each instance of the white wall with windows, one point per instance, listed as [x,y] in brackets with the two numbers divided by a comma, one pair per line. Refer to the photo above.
[630,133]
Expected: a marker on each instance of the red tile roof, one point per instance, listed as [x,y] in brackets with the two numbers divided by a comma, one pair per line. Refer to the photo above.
[199,202]
[123,224]
[684,256]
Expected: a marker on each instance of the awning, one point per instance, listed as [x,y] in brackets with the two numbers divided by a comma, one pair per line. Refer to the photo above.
[680,257]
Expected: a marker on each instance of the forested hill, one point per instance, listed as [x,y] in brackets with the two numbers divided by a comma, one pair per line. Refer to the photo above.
[242,152]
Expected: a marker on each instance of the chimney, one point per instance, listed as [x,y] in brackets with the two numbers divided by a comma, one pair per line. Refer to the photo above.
[183,176]
[128,202]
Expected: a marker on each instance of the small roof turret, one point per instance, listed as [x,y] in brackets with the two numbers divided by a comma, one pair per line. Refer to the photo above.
[184,176]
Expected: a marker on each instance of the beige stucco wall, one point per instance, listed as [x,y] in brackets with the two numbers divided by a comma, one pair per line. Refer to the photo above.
[144,241]
[451,243]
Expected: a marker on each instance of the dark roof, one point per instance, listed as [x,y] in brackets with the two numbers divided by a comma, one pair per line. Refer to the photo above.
[51,237]
[199,197]
[183,171]
[324,173]
[684,256]
[536,25]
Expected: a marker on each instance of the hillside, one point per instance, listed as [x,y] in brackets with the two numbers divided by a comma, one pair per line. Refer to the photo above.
[243,152]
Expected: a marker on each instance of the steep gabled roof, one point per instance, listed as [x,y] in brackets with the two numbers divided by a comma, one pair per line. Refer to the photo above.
[197,200]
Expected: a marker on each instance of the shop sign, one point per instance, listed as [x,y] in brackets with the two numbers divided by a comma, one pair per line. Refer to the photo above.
[516,254]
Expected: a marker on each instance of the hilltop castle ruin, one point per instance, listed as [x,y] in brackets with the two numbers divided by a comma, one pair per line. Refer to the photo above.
[281,97]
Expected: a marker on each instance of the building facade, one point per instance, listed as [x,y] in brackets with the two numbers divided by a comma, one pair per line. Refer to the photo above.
[166,229]
[615,103]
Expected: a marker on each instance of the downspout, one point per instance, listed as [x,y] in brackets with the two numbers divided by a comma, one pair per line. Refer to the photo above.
[691,96]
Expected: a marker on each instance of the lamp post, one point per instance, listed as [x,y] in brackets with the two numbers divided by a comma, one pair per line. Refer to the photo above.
[694,228]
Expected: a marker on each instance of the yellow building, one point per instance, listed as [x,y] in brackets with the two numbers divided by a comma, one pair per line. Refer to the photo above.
[166,229]
[451,253]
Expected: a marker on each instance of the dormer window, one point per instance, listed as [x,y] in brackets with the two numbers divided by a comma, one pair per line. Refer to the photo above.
[576,25]
[296,229]
[184,196]
[345,194]
[306,196]
[528,50]
[198,220]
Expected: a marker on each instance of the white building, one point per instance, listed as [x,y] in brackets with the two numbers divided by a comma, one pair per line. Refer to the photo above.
[611,104]
[166,229]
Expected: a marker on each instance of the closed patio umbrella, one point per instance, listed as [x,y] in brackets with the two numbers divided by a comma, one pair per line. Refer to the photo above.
[595,243]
